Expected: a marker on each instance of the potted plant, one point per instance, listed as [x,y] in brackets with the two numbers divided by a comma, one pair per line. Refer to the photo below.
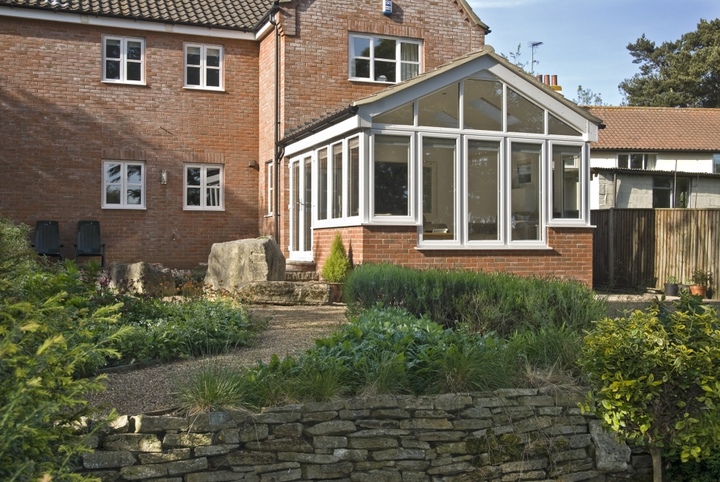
[671,286]
[336,267]
[701,280]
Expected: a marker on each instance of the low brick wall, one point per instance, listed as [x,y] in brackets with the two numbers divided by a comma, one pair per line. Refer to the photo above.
[505,435]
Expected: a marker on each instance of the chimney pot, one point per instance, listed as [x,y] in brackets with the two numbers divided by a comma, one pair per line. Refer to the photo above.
[547,79]
[554,80]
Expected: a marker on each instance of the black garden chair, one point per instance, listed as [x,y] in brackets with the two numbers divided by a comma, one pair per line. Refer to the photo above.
[47,239]
[89,243]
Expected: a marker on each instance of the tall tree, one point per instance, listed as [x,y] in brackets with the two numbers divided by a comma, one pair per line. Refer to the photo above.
[587,97]
[683,73]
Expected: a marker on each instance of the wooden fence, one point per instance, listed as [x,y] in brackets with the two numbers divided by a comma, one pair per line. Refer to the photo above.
[641,248]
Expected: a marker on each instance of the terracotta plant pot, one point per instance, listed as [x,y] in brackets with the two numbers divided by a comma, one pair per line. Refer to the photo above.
[335,292]
[698,290]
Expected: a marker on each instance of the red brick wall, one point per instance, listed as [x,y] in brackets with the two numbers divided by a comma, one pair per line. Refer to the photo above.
[59,121]
[570,256]
[317,55]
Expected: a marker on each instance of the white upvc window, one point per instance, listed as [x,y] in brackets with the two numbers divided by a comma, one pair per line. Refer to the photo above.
[203,66]
[637,160]
[123,185]
[123,60]
[203,187]
[383,59]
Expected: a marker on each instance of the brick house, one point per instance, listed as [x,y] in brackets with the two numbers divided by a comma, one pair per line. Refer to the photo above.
[656,157]
[180,124]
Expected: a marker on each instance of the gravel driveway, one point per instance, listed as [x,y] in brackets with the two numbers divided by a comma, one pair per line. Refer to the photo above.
[291,330]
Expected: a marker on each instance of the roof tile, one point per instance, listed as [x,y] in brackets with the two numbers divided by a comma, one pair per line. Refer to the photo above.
[658,128]
[237,15]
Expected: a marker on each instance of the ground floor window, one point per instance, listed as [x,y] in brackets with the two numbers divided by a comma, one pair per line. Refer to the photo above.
[203,187]
[123,185]
[671,193]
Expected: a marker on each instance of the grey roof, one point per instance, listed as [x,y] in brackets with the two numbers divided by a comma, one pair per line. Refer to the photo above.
[245,15]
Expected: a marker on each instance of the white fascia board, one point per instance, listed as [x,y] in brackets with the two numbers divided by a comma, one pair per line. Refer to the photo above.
[126,23]
[324,136]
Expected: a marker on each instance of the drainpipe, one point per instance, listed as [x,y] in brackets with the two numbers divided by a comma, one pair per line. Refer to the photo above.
[277,152]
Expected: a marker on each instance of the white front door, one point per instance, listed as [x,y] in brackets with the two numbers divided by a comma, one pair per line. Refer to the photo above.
[301,209]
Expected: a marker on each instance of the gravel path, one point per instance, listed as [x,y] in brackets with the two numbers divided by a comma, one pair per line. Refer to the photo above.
[291,330]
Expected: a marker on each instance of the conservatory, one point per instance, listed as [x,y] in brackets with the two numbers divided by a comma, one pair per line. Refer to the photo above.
[470,159]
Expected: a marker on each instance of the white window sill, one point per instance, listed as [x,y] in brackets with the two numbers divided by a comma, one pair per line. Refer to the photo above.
[205,89]
[204,210]
[124,82]
[131,208]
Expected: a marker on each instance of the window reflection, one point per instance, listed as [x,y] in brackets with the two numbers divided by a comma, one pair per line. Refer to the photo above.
[566,182]
[483,105]
[391,181]
[483,159]
[523,115]
[525,196]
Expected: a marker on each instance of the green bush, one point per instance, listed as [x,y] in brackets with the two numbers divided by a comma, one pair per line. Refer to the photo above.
[45,342]
[337,264]
[172,330]
[655,377]
[486,302]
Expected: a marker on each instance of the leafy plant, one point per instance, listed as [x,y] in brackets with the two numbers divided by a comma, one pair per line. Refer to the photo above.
[701,277]
[337,265]
[655,378]
[671,279]
[45,341]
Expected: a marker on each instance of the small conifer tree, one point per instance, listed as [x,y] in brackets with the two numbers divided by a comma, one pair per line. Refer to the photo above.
[337,264]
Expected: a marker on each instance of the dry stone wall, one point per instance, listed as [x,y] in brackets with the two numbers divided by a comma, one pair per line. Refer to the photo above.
[505,435]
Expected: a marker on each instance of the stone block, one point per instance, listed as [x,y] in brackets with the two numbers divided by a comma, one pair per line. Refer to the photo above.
[142,279]
[288,430]
[280,445]
[108,460]
[174,440]
[610,454]
[151,424]
[219,476]
[213,450]
[452,401]
[426,424]
[398,454]
[253,432]
[166,456]
[133,442]
[142,472]
[329,442]
[234,264]
[186,466]
[335,427]
[329,471]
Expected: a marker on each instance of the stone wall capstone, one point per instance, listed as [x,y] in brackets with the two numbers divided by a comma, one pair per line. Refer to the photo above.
[505,435]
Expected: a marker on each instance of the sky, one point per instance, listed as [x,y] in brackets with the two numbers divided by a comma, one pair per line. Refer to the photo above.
[584,42]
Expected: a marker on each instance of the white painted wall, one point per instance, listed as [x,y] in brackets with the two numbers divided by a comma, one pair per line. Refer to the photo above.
[636,191]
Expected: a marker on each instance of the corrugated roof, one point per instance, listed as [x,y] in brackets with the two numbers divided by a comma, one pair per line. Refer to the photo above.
[237,15]
[658,128]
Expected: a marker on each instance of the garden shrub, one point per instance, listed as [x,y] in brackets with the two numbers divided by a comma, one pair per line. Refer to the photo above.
[45,341]
[655,377]
[487,302]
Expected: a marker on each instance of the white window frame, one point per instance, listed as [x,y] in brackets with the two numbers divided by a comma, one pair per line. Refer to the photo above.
[124,185]
[123,60]
[371,58]
[649,160]
[204,187]
[582,220]
[204,67]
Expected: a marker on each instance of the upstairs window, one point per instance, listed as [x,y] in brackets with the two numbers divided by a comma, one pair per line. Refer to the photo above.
[124,60]
[204,187]
[637,161]
[383,59]
[716,163]
[204,66]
